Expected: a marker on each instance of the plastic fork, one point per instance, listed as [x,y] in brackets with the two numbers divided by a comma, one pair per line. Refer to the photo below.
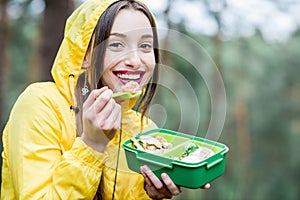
[127,95]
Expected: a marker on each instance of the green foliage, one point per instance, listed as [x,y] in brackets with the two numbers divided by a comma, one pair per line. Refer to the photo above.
[264,77]
[22,39]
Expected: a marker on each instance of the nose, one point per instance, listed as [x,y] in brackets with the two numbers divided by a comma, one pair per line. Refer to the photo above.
[132,59]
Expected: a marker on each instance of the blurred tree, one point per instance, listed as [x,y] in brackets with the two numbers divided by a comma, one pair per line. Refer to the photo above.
[51,34]
[3,64]
[3,56]
[241,115]
[165,44]
[215,9]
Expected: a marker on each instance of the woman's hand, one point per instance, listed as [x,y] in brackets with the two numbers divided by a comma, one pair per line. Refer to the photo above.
[157,189]
[101,117]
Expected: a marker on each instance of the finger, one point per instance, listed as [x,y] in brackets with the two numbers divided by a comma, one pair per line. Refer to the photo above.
[156,194]
[206,186]
[153,192]
[152,177]
[149,187]
[147,180]
[118,116]
[111,118]
[170,184]
[102,100]
[91,98]
[105,113]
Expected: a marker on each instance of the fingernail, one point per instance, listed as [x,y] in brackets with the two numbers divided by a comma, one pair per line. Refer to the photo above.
[164,175]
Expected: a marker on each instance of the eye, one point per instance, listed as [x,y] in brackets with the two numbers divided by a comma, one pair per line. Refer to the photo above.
[146,46]
[115,45]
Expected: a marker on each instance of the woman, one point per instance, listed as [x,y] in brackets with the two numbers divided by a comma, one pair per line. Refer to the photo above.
[62,138]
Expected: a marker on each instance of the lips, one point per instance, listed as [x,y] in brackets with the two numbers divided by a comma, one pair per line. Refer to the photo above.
[125,75]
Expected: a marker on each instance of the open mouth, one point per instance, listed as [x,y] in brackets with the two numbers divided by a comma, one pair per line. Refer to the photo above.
[125,75]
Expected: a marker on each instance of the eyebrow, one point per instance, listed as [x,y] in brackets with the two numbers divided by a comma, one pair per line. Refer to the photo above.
[118,35]
[124,36]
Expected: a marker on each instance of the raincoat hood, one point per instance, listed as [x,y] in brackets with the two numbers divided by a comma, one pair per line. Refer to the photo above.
[78,32]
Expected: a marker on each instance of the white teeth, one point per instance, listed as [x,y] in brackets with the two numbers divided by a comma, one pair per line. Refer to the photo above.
[129,76]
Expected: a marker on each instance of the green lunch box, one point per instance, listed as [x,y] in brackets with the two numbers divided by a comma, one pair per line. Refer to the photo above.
[190,175]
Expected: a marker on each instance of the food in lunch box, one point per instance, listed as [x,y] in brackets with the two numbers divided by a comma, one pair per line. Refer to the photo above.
[153,144]
[194,153]
[131,87]
[156,144]
[189,173]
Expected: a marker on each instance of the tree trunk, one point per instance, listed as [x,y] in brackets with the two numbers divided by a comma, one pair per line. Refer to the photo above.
[241,114]
[3,56]
[51,34]
[3,65]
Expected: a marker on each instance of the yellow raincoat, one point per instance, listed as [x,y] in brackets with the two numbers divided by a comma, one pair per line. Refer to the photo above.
[42,158]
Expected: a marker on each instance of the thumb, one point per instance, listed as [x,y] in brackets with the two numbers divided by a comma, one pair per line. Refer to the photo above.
[93,95]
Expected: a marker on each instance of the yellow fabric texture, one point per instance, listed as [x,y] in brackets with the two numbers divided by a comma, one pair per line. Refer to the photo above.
[42,158]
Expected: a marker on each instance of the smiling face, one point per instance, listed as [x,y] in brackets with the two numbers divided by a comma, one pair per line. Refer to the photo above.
[129,54]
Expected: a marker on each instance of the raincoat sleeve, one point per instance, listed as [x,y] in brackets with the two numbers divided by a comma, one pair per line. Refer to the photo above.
[40,168]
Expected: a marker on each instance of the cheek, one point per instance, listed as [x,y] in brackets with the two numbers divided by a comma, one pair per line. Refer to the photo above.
[148,75]
[152,65]
[106,62]
[104,79]
[150,68]
[107,79]
[110,60]
[150,61]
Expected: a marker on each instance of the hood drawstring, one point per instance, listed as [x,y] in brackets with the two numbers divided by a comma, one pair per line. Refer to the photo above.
[72,89]
[117,164]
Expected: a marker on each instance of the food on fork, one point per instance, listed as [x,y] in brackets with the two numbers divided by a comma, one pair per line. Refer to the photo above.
[131,87]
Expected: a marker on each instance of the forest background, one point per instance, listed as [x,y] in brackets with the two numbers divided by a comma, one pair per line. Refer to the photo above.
[255,47]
